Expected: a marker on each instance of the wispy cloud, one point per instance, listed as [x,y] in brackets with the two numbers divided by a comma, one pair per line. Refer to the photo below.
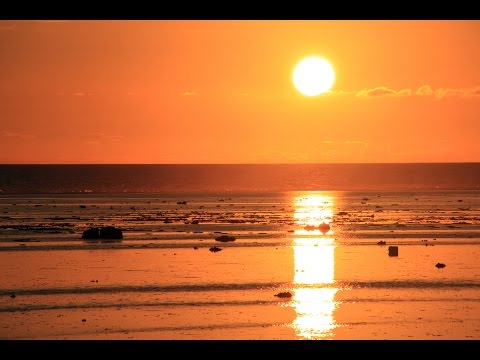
[79,94]
[471,92]
[424,90]
[383,91]
[10,134]
[189,93]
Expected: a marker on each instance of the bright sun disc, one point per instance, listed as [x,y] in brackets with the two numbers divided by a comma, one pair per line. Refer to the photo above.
[313,76]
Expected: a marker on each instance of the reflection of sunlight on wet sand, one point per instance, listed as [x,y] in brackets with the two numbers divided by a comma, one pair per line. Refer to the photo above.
[313,209]
[314,269]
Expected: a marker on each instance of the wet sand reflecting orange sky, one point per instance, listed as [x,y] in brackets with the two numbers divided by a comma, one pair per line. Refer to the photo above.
[146,287]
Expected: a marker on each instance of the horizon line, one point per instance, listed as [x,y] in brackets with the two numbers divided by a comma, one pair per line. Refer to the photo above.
[299,163]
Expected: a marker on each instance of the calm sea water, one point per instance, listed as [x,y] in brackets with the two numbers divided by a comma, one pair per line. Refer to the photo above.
[200,178]
[162,282]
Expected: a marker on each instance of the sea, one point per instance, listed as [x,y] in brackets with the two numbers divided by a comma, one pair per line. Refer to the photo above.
[314,252]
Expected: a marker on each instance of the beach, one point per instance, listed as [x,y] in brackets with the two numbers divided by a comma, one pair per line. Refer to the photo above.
[161,281]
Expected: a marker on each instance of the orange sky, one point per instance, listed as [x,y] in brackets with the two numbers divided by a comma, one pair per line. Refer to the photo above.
[221,92]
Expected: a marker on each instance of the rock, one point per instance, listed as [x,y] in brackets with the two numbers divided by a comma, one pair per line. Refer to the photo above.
[13,296]
[93,233]
[215,249]
[181,203]
[309,227]
[84,320]
[382,243]
[440,265]
[225,238]
[284,294]
[393,251]
[195,248]
[324,227]
[195,222]
[110,232]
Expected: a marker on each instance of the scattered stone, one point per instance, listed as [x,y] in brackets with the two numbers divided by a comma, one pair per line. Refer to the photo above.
[285,294]
[83,206]
[195,248]
[13,296]
[110,232]
[382,243]
[181,203]
[106,232]
[324,227]
[84,320]
[215,249]
[93,233]
[225,238]
[393,251]
[194,222]
[440,265]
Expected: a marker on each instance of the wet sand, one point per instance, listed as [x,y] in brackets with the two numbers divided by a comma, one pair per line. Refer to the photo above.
[154,284]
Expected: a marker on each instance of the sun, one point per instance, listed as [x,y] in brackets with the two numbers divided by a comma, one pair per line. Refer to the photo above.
[313,76]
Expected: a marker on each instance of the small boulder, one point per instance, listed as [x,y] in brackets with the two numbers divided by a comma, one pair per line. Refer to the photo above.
[285,294]
[324,227]
[382,243]
[110,232]
[225,238]
[214,249]
[440,265]
[92,233]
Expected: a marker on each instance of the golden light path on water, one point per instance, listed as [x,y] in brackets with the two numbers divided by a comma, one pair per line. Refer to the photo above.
[314,264]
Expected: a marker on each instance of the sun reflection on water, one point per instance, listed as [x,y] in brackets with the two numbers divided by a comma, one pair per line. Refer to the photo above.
[314,268]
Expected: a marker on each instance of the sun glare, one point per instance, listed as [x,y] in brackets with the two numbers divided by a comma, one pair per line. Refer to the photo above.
[313,76]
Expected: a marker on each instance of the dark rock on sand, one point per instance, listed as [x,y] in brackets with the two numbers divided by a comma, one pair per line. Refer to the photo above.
[440,265]
[324,227]
[225,238]
[215,249]
[382,243]
[13,296]
[106,232]
[93,233]
[195,248]
[195,222]
[284,294]
[110,232]
[83,206]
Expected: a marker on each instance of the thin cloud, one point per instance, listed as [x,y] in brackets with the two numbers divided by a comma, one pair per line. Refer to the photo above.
[189,93]
[471,92]
[424,90]
[383,91]
[10,134]
[79,93]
